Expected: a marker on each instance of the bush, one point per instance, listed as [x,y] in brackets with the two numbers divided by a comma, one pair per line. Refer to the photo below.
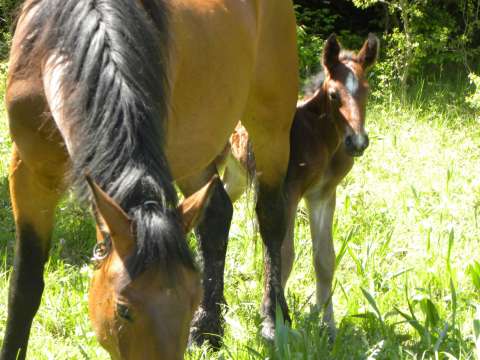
[474,99]
[7,15]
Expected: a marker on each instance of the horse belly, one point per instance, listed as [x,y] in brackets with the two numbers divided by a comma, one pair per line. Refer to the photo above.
[212,66]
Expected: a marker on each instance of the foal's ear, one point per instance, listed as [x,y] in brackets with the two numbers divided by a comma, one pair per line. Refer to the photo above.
[193,208]
[367,56]
[117,221]
[331,52]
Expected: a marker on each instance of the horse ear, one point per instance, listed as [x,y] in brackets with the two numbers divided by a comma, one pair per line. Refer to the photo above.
[116,220]
[367,56]
[331,52]
[193,208]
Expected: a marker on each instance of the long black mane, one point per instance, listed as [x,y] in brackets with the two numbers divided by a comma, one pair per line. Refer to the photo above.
[116,92]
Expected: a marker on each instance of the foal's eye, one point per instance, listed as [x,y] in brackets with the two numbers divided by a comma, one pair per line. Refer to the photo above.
[333,95]
[124,312]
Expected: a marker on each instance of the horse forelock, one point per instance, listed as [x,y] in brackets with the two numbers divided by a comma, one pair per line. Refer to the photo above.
[347,55]
[115,92]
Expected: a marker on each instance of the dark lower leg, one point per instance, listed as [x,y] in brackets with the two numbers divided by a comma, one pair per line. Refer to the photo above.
[271,212]
[212,234]
[25,292]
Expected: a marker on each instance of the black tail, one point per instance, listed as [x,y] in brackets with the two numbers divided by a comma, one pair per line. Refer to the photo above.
[115,99]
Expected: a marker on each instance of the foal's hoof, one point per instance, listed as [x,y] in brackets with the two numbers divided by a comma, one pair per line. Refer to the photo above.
[268,330]
[206,327]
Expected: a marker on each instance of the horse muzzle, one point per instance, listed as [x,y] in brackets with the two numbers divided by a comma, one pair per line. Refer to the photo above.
[356,144]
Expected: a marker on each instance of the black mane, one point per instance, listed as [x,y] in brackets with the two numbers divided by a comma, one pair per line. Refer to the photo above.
[116,95]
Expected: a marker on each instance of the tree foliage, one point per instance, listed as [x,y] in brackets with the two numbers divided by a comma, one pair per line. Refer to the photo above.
[418,36]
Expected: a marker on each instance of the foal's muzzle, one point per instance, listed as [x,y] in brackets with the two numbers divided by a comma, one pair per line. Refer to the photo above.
[356,144]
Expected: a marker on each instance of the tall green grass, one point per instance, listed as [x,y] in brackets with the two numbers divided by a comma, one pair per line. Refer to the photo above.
[406,231]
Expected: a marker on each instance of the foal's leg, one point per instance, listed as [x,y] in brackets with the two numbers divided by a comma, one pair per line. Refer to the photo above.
[321,210]
[33,199]
[212,235]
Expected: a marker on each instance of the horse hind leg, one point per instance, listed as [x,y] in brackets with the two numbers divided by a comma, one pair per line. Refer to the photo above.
[212,235]
[33,204]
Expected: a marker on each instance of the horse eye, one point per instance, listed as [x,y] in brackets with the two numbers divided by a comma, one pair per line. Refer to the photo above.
[333,95]
[124,312]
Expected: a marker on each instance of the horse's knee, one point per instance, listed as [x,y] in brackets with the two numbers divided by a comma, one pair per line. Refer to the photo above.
[272,213]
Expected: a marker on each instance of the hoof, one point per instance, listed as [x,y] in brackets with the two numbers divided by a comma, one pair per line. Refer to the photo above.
[207,327]
[268,330]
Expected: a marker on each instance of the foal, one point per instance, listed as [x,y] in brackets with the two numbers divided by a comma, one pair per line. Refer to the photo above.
[327,132]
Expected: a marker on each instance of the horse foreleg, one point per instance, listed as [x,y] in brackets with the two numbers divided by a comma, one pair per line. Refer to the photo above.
[33,206]
[212,236]
[272,219]
[288,250]
[269,130]
[321,211]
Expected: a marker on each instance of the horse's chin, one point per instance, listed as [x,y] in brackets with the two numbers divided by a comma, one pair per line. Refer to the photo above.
[355,153]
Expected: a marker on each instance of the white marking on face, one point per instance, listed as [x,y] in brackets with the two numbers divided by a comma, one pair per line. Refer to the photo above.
[351,83]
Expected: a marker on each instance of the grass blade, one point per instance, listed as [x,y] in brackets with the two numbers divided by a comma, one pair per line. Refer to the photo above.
[451,238]
[373,304]
[412,321]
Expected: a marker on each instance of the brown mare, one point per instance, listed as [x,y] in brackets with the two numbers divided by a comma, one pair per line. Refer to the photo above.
[327,132]
[127,91]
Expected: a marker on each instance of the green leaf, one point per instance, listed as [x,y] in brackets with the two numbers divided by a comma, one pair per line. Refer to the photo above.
[454,302]
[474,271]
[451,238]
[431,313]
[344,247]
[373,304]
[412,321]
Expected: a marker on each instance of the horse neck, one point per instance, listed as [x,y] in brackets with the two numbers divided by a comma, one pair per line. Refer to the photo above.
[319,122]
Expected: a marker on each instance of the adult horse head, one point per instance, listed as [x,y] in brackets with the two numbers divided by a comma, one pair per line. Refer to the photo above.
[142,313]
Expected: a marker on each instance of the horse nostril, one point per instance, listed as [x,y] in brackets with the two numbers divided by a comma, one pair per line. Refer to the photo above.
[349,141]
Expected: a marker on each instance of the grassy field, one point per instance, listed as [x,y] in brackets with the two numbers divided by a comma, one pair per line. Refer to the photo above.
[406,234]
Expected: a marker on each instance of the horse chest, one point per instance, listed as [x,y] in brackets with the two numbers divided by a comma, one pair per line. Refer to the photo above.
[324,180]
[320,185]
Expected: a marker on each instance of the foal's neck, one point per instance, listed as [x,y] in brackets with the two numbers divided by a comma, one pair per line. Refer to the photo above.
[320,121]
